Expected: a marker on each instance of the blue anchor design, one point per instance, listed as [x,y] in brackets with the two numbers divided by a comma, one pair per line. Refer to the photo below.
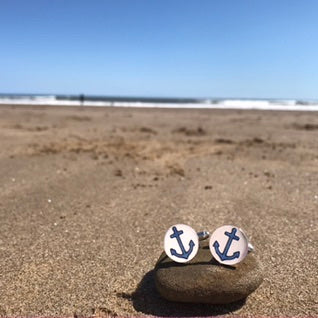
[185,254]
[223,256]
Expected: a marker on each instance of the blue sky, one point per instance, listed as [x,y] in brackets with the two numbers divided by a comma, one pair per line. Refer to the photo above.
[164,48]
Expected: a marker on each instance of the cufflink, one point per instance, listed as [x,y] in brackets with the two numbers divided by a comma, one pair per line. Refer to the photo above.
[229,245]
[181,243]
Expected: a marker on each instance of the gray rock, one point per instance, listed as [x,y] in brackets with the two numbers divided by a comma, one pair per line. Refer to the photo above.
[203,280]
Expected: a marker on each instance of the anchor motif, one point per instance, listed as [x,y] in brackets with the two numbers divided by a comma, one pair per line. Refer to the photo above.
[185,254]
[223,256]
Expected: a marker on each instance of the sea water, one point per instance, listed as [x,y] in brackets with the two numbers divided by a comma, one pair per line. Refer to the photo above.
[104,101]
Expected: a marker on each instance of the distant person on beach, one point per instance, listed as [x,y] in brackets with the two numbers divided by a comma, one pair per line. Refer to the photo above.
[82,98]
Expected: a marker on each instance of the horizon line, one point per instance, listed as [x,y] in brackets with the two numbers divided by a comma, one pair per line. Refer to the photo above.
[122,96]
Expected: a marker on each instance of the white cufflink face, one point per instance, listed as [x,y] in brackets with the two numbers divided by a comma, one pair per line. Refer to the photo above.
[181,243]
[228,245]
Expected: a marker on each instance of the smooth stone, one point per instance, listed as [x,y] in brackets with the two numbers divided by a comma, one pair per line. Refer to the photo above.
[204,280]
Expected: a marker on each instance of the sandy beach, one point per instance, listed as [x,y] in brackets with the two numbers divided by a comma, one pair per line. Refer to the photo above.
[88,193]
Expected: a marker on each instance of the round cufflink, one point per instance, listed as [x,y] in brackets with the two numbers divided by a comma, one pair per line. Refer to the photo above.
[229,245]
[181,243]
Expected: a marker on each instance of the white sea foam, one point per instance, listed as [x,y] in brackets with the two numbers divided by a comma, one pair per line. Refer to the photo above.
[282,105]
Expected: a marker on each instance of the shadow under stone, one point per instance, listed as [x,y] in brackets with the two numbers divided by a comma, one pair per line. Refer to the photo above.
[147,300]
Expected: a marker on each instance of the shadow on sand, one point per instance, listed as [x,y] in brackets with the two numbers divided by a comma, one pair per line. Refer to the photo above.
[147,300]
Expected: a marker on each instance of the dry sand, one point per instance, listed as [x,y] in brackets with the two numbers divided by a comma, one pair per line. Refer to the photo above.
[87,195]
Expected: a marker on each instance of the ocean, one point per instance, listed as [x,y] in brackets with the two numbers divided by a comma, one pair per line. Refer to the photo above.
[145,102]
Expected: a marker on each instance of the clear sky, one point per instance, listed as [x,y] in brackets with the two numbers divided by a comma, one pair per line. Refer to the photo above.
[164,48]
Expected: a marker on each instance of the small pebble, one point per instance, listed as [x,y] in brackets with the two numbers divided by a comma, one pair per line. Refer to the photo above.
[203,280]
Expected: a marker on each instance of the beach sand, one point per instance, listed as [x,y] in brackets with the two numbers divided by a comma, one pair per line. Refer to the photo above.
[88,193]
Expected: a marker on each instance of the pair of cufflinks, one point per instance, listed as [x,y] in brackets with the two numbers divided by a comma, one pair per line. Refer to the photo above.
[228,244]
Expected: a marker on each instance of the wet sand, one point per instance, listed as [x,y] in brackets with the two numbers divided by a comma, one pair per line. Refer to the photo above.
[88,193]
